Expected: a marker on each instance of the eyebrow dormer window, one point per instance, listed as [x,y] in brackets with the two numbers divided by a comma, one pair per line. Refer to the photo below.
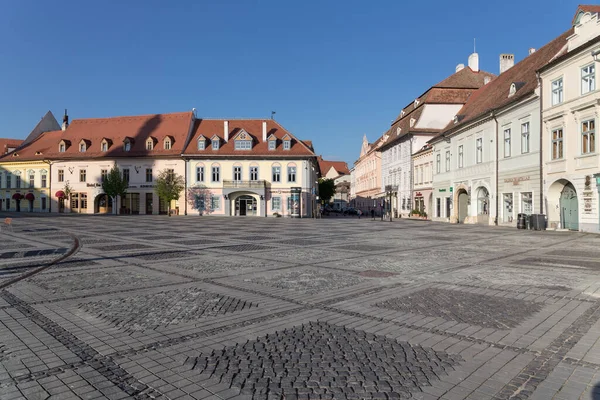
[215,144]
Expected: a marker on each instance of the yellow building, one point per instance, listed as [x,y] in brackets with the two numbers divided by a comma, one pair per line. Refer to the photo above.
[25,185]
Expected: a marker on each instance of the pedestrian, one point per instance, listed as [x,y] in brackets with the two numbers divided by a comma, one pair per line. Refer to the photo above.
[359,213]
[373,214]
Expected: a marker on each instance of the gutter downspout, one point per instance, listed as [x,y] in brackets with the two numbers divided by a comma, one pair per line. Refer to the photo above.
[49,184]
[541,86]
[185,187]
[497,167]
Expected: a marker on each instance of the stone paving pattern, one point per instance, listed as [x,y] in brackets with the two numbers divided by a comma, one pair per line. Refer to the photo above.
[338,308]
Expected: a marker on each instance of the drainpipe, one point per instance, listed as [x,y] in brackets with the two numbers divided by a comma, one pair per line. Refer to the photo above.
[185,187]
[497,166]
[49,184]
[539,78]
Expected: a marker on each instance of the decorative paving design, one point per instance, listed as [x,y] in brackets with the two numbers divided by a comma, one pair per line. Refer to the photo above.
[164,308]
[309,281]
[121,247]
[474,309]
[319,359]
[68,282]
[163,255]
[244,248]
[575,253]
[90,240]
[370,273]
[218,264]
[362,247]
[300,242]
[559,263]
[193,242]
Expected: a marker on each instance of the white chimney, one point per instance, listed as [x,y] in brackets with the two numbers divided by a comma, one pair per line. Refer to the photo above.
[460,67]
[474,62]
[65,123]
[264,131]
[506,62]
[531,50]
[226,130]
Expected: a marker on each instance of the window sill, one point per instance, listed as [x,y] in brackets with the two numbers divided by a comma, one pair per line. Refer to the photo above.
[587,155]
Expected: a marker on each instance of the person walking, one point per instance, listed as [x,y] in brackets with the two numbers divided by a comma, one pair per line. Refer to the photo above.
[373,214]
[359,213]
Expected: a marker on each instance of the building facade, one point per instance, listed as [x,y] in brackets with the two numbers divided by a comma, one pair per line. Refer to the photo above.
[250,168]
[367,177]
[570,109]
[339,172]
[422,194]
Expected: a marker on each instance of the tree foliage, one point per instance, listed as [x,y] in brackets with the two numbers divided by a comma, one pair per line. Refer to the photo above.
[67,190]
[169,186]
[326,189]
[200,197]
[114,185]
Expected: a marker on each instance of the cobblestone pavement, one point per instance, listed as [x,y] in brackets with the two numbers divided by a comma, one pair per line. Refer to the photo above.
[340,308]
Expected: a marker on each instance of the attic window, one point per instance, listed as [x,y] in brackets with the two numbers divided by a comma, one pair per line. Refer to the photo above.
[215,144]
[412,122]
[149,144]
[127,144]
[62,148]
[416,102]
[104,146]
[402,114]
[167,143]
[287,144]
[455,119]
[15,155]
[398,131]
[272,144]
[512,90]
[38,153]
[243,145]
[82,147]
[201,143]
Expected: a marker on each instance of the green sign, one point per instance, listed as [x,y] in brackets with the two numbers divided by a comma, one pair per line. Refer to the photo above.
[442,190]
[451,189]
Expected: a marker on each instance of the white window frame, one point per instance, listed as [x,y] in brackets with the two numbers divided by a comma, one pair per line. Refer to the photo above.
[243,145]
[291,173]
[215,200]
[590,135]
[237,173]
[438,162]
[276,173]
[61,148]
[525,142]
[200,174]
[149,144]
[82,147]
[558,142]
[201,144]
[127,146]
[447,160]
[216,173]
[461,156]
[507,143]
[588,79]
[557,91]
[215,144]
[272,144]
[104,146]
[479,150]
[287,144]
[82,175]
[254,173]
[276,203]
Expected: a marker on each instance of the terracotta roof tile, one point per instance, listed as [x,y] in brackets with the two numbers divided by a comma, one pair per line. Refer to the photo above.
[215,127]
[340,166]
[591,8]
[5,144]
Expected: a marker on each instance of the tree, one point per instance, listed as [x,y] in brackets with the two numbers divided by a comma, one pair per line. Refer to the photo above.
[326,189]
[115,185]
[200,197]
[168,187]
[67,190]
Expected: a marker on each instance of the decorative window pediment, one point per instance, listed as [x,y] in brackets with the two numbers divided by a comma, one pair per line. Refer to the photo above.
[215,142]
[242,140]
[63,145]
[201,142]
[287,142]
[168,142]
[151,142]
[128,143]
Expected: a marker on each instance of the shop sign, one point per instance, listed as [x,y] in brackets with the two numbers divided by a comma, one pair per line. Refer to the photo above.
[442,190]
[94,185]
[418,194]
[588,198]
[516,180]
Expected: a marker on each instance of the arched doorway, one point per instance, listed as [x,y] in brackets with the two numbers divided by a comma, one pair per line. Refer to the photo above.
[30,198]
[483,205]
[245,205]
[103,204]
[569,208]
[463,206]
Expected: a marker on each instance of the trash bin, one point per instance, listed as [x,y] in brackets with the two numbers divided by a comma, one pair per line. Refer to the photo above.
[538,222]
[521,218]
[528,222]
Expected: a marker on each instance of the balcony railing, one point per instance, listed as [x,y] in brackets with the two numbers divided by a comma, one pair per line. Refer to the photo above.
[244,184]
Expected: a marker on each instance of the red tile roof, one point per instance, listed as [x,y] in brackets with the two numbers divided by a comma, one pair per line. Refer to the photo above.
[215,127]
[340,166]
[495,94]
[116,129]
[5,144]
[591,8]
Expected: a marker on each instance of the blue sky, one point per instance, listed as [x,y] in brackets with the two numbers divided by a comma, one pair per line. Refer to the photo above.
[332,70]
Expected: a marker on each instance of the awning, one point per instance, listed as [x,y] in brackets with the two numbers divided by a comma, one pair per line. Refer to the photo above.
[17,196]
[30,196]
[60,193]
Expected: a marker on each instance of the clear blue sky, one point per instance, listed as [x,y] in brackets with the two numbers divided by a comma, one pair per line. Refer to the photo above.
[332,70]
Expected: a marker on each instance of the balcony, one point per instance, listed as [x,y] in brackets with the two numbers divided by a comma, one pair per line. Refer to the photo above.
[228,184]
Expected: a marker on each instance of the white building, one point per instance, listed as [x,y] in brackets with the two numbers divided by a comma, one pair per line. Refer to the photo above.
[570,109]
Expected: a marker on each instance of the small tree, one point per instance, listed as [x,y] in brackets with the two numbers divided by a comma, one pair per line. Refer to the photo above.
[199,196]
[67,190]
[115,185]
[168,187]
[326,189]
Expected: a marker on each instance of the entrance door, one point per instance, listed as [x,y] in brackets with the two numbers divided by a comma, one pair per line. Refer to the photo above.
[463,200]
[508,204]
[18,205]
[148,203]
[569,208]
[104,204]
[61,204]
[448,203]
[242,207]
[30,205]
[245,205]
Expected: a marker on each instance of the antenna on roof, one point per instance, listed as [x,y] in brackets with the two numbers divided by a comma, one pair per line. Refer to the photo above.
[272,114]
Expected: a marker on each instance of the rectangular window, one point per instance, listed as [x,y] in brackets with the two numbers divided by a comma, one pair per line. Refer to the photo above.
[588,79]
[527,203]
[18,181]
[83,197]
[61,175]
[557,91]
[82,175]
[557,144]
[588,137]
[438,207]
[276,204]
[167,145]
[525,138]
[215,144]
[243,145]
[61,148]
[447,161]
[253,173]
[291,174]
[31,181]
[237,173]
[8,180]
[149,145]
[44,180]
[272,144]
[287,144]
[438,163]
[82,148]
[506,143]
[216,174]
[43,203]
[201,144]
[276,174]
[479,150]
[148,174]
[215,202]
[461,156]
[126,175]
[104,146]
[199,174]
[103,175]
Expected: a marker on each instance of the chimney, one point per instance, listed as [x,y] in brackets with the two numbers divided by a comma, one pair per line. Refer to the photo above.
[65,123]
[487,80]
[460,67]
[506,62]
[531,50]
[474,62]
[264,131]
[226,131]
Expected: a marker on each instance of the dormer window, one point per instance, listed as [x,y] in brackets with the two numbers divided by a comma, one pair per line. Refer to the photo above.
[168,142]
[398,131]
[402,114]
[105,144]
[243,145]
[455,119]
[512,90]
[272,144]
[127,143]
[416,102]
[201,143]
[83,146]
[287,142]
[63,145]
[149,144]
[215,142]
[412,122]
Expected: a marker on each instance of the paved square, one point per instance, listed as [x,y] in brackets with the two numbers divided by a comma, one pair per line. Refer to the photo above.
[265,308]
